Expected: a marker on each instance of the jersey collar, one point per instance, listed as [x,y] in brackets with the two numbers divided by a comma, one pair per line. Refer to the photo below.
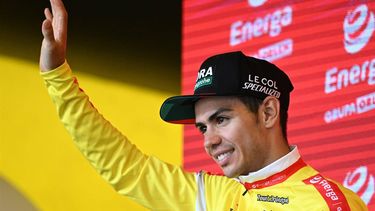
[279,166]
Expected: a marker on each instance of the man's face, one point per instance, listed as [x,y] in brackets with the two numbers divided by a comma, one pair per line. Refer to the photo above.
[233,136]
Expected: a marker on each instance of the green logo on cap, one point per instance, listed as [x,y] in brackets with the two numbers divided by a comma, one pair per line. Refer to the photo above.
[203,82]
[204,78]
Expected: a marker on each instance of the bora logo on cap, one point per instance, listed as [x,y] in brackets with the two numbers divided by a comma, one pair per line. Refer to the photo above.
[204,78]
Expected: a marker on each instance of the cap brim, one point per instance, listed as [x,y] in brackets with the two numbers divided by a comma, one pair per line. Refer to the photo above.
[179,109]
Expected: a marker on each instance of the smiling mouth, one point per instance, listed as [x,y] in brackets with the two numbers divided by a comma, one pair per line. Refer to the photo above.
[221,158]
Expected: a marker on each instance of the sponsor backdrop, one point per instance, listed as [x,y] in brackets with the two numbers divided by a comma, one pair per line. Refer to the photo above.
[328,50]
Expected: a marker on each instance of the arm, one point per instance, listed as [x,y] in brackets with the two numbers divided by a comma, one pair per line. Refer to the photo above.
[150,182]
[145,179]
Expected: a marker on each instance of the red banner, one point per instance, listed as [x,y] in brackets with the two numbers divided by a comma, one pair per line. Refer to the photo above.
[328,50]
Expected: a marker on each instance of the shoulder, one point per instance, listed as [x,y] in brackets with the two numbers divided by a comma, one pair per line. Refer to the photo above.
[213,180]
[354,201]
[335,194]
[218,184]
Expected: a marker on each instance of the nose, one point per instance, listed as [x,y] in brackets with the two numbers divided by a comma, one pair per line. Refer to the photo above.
[211,139]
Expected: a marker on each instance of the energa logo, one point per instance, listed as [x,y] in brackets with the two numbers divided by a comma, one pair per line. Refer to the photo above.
[361,182]
[359,25]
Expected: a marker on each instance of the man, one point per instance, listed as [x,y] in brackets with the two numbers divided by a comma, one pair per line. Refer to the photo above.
[239,105]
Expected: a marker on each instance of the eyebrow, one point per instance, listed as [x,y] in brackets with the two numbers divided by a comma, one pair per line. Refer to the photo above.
[214,115]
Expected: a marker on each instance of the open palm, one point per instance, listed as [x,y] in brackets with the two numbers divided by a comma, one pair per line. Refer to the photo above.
[54,30]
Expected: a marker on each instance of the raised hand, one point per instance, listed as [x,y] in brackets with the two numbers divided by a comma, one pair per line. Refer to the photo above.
[54,30]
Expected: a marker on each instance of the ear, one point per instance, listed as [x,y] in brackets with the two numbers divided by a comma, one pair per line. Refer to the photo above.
[270,111]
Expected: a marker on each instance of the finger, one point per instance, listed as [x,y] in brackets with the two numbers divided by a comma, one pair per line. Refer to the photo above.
[60,19]
[58,7]
[47,31]
[48,14]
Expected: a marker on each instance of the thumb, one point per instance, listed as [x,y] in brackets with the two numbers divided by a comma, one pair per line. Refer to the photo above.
[47,31]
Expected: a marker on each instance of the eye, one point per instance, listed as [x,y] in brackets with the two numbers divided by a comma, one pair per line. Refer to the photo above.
[221,120]
[202,128]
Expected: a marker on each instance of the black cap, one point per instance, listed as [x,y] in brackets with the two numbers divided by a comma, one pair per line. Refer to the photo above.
[229,74]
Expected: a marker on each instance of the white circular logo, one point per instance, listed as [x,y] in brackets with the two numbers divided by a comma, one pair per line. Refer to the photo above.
[315,179]
[256,3]
[359,25]
[361,181]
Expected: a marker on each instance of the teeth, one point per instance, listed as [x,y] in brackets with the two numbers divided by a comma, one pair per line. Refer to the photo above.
[223,156]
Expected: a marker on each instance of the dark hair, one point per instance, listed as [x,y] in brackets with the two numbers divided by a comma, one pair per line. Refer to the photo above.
[253,103]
